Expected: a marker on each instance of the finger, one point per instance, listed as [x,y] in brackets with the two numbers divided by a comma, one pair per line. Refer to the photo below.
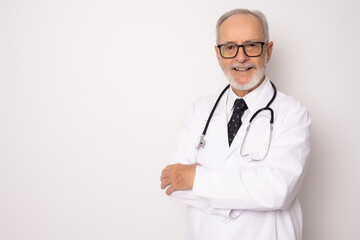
[170,190]
[165,172]
[164,176]
[165,183]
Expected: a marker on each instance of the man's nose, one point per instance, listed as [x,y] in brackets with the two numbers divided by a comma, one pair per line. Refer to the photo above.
[241,56]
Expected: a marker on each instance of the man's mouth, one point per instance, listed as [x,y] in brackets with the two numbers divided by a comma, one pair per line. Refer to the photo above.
[241,69]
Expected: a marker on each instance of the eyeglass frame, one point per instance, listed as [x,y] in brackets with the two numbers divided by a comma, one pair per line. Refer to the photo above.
[241,45]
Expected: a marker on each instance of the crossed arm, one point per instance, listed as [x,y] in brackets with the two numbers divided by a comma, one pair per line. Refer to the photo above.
[267,185]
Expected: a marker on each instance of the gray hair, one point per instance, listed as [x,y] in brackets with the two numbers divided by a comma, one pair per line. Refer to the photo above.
[256,13]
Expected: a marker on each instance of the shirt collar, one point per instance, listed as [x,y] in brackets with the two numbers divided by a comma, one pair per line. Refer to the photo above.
[250,99]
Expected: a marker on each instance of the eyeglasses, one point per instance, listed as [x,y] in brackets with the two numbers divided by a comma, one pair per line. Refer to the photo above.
[251,49]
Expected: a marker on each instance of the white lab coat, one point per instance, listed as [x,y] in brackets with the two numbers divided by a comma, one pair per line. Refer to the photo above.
[237,198]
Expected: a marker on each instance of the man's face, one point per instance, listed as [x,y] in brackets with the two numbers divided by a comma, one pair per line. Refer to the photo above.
[242,71]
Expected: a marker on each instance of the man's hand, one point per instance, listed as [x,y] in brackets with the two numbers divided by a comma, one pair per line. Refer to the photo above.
[178,177]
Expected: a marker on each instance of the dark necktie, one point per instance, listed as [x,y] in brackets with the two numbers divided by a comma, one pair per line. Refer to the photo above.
[235,121]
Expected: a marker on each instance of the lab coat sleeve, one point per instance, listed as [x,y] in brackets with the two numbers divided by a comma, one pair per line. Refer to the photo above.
[184,152]
[270,184]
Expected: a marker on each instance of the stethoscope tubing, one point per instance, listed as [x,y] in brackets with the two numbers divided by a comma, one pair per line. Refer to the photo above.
[202,137]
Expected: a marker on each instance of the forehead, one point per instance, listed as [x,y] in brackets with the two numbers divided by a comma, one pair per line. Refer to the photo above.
[240,28]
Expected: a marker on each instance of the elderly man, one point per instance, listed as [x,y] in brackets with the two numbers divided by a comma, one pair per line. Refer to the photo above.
[241,182]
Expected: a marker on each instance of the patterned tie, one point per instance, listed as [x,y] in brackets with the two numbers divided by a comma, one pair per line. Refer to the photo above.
[235,121]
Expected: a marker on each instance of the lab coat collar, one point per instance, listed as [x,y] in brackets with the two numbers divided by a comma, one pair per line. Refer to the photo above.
[252,99]
[221,107]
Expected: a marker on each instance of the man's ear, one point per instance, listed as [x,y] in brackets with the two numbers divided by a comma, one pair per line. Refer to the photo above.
[269,49]
[217,53]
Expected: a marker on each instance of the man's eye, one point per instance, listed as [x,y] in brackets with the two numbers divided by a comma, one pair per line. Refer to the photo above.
[230,47]
[252,45]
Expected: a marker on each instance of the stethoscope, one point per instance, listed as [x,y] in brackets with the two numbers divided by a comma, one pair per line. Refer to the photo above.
[267,108]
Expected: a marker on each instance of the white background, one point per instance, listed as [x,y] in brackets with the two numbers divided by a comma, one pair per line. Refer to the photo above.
[91,93]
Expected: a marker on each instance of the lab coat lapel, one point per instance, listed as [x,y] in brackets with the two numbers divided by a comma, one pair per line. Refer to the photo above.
[263,100]
[219,124]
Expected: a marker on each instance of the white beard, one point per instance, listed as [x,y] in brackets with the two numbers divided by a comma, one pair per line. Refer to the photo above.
[255,80]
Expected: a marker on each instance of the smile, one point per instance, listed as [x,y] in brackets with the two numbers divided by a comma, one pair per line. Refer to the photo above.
[241,69]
